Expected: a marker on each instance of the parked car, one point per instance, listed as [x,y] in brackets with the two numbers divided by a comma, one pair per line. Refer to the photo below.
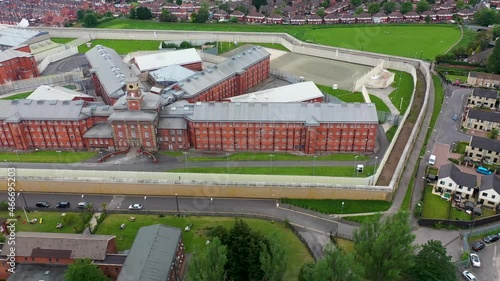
[62,204]
[484,171]
[135,207]
[455,117]
[475,261]
[469,276]
[42,204]
[491,238]
[478,246]
[83,205]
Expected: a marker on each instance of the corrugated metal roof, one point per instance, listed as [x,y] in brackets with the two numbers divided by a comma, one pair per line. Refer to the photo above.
[110,69]
[171,73]
[162,59]
[290,93]
[284,112]
[45,92]
[18,110]
[151,254]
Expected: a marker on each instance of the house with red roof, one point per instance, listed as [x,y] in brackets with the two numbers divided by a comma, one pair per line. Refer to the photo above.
[298,20]
[314,19]
[255,17]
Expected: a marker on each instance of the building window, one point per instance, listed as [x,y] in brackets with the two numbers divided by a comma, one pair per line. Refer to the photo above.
[493,196]
[146,135]
[120,134]
[484,194]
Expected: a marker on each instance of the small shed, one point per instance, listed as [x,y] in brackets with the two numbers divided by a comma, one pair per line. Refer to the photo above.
[478,211]
[469,206]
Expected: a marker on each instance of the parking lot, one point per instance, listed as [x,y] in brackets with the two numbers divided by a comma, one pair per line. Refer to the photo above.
[490,263]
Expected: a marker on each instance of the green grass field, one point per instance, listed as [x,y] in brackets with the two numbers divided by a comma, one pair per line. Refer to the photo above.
[18,96]
[424,41]
[379,104]
[195,239]
[391,132]
[48,221]
[123,47]
[292,171]
[358,219]
[468,37]
[330,206]
[403,82]
[454,78]
[348,96]
[259,156]
[48,156]
[224,47]
[61,40]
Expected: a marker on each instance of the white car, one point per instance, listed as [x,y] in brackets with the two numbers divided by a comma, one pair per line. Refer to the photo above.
[469,276]
[474,259]
[135,207]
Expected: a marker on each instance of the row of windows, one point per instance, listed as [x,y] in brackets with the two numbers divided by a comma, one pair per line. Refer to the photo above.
[170,139]
[284,125]
[132,126]
[485,194]
[100,141]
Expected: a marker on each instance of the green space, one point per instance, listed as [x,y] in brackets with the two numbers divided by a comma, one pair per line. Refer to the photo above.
[61,40]
[358,219]
[195,239]
[19,96]
[334,206]
[320,171]
[460,147]
[401,96]
[391,132]
[123,47]
[379,104]
[454,78]
[260,156]
[46,156]
[468,37]
[407,40]
[346,245]
[47,221]
[224,47]
[478,237]
[343,95]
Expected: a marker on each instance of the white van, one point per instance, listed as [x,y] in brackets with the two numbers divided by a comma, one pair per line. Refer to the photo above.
[432,160]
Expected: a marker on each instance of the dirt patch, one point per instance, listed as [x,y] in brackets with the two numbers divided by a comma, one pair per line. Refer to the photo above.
[397,150]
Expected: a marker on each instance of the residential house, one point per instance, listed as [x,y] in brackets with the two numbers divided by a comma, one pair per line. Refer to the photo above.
[332,18]
[347,18]
[466,14]
[379,18]
[480,57]
[238,15]
[482,120]
[431,14]
[484,149]
[314,19]
[489,191]
[484,98]
[338,8]
[444,15]
[298,20]
[274,19]
[411,17]
[452,180]
[364,18]
[395,17]
[482,79]
[255,17]
[221,15]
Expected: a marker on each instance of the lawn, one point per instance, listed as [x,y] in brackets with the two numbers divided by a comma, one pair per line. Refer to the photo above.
[49,221]
[18,96]
[468,37]
[61,40]
[460,147]
[195,239]
[454,78]
[407,40]
[258,156]
[391,132]
[343,95]
[358,219]
[48,156]
[403,82]
[379,104]
[292,171]
[123,47]
[438,103]
[224,47]
[346,245]
[331,206]
[435,207]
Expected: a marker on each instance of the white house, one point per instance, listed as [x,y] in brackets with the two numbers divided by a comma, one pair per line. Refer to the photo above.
[452,180]
[489,191]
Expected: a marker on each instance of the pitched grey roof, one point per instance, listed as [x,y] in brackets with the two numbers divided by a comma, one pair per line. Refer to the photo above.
[99,130]
[45,92]
[212,75]
[14,37]
[150,101]
[151,254]
[485,93]
[129,115]
[31,110]
[486,115]
[171,73]
[297,92]
[110,69]
[490,182]
[37,272]
[485,143]
[284,112]
[172,123]
[12,54]
[78,246]
[98,110]
[457,176]
[161,59]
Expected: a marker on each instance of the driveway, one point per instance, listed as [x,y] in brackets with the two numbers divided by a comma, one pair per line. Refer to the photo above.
[447,129]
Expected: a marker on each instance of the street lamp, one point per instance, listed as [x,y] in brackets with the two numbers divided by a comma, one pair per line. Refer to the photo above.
[355,166]
[314,164]
[211,201]
[145,197]
[17,154]
[59,152]
[119,167]
[177,203]
[25,204]
[185,159]
[342,210]
[271,161]
[227,162]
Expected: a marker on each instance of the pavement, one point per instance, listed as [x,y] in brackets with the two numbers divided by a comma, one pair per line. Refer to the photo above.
[383,94]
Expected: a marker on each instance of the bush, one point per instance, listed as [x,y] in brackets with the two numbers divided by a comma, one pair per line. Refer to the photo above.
[4,206]
[169,46]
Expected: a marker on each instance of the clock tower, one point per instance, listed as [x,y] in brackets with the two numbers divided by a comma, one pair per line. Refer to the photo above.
[134,95]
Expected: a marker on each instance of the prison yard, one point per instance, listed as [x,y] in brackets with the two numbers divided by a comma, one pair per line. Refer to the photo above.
[414,41]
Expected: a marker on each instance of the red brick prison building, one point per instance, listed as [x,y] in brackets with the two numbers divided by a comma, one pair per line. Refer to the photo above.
[108,73]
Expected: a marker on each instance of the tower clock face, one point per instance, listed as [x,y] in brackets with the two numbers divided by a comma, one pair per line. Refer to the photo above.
[130,86]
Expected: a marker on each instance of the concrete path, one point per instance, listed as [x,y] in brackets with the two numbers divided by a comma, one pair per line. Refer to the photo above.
[384,96]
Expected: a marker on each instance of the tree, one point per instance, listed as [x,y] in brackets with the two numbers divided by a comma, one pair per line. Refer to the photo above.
[484,17]
[385,247]
[406,7]
[325,3]
[108,14]
[358,10]
[373,8]
[144,13]
[209,264]
[84,269]
[496,31]
[431,1]
[90,20]
[473,2]
[233,19]
[166,16]
[201,16]
[225,7]
[493,134]
[258,3]
[334,266]
[321,12]
[242,9]
[433,264]
[356,3]
[272,259]
[80,15]
[460,4]
[493,63]
[389,7]
[427,19]
[422,6]
[132,13]
[178,2]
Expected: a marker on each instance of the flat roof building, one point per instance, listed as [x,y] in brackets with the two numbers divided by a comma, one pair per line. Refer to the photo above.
[45,92]
[188,58]
[299,92]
